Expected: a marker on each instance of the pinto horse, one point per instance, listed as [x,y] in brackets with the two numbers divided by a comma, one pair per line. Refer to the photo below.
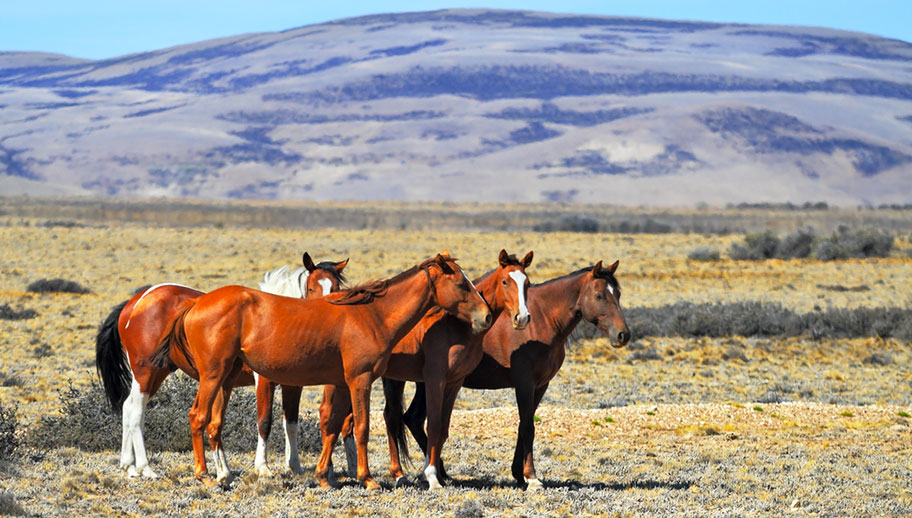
[527,360]
[343,339]
[441,351]
[128,337]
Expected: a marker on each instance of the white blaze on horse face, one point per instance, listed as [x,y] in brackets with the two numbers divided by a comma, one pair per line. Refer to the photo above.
[520,279]
[326,284]
[610,289]
[472,284]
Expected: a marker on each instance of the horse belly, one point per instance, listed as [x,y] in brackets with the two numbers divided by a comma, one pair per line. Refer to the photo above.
[295,366]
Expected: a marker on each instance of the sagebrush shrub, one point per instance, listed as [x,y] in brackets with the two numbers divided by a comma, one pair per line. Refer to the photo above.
[797,245]
[569,223]
[756,247]
[703,253]
[57,286]
[859,243]
[8,313]
[9,433]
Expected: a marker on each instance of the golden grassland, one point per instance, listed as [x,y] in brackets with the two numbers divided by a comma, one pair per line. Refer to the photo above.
[684,433]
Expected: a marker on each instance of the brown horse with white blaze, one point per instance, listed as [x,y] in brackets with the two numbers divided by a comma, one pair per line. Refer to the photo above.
[130,334]
[343,339]
[527,360]
[441,351]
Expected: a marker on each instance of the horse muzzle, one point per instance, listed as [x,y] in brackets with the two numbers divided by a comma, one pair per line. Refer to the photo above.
[520,321]
[618,336]
[481,321]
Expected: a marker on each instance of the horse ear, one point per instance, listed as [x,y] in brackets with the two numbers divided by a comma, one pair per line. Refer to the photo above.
[308,263]
[527,260]
[445,253]
[441,261]
[338,267]
[597,269]
[503,258]
[614,267]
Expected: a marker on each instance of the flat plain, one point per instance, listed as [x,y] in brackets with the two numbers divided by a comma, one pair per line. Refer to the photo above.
[727,426]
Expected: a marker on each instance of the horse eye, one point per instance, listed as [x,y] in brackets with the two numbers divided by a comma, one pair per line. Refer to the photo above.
[504,282]
[599,296]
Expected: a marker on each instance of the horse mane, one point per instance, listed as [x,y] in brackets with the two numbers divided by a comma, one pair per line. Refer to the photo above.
[281,281]
[604,274]
[365,293]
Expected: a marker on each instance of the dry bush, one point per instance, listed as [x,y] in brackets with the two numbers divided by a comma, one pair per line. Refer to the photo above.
[9,433]
[8,313]
[860,243]
[57,286]
[704,253]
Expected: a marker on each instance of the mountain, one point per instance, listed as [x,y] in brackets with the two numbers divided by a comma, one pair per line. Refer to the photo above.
[473,105]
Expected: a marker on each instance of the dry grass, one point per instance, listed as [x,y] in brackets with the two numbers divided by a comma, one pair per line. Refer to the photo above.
[705,449]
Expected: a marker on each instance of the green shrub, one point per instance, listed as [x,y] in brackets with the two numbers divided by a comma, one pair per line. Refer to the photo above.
[860,243]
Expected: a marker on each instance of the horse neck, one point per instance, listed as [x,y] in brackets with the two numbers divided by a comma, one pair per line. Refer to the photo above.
[488,289]
[557,303]
[403,305]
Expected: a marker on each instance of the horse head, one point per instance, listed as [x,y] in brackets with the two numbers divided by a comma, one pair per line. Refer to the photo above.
[511,287]
[456,294]
[323,278]
[600,304]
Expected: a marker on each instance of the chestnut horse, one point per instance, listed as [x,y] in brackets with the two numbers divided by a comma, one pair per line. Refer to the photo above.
[343,339]
[441,351]
[527,360]
[130,334]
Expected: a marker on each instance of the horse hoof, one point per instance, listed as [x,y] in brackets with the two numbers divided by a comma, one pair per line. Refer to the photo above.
[371,485]
[297,470]
[208,481]
[403,482]
[132,473]
[533,484]
[326,483]
[148,473]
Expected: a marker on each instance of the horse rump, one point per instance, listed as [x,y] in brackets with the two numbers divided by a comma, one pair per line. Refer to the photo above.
[175,338]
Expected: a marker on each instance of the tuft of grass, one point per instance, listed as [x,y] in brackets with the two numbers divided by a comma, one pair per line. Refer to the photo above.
[609,419]
[758,408]
[536,419]
[57,286]
[903,413]
[847,414]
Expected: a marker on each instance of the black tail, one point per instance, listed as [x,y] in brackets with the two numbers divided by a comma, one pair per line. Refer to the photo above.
[175,337]
[392,390]
[111,360]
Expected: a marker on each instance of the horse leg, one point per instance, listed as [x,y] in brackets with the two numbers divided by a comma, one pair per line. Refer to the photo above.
[435,394]
[291,401]
[333,410]
[392,415]
[217,421]
[449,400]
[525,398]
[133,453]
[415,416]
[348,440]
[359,387]
[532,481]
[265,394]
[201,414]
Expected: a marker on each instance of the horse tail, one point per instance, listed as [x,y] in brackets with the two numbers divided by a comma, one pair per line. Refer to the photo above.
[111,361]
[395,422]
[176,338]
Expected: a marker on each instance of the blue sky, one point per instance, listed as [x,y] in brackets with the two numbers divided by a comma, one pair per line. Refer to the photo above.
[107,28]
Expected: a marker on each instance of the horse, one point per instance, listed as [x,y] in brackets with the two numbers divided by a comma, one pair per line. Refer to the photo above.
[343,339]
[441,351]
[527,360]
[132,331]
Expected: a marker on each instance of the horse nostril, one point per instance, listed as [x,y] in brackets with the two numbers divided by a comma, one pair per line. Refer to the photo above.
[488,319]
[624,337]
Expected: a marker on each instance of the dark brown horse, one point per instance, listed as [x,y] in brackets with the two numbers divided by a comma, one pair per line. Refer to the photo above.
[343,339]
[441,351]
[129,336]
[527,360]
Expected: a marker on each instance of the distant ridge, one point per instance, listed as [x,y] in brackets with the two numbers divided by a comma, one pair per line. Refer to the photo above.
[486,105]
